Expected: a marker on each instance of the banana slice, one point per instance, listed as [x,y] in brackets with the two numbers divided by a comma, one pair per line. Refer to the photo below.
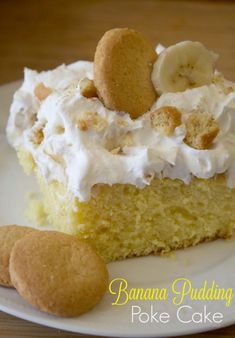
[184,65]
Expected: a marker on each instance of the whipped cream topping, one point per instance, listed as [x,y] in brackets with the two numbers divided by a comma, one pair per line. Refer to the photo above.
[115,148]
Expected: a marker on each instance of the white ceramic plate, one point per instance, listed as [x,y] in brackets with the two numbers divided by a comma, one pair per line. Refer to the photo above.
[212,262]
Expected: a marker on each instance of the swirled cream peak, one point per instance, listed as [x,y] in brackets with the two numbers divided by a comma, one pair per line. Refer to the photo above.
[79,142]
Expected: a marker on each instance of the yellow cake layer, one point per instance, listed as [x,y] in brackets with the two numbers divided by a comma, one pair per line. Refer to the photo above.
[123,221]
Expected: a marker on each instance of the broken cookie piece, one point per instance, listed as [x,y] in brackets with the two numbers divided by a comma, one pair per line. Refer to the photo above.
[87,88]
[42,92]
[37,134]
[201,130]
[165,119]
[91,120]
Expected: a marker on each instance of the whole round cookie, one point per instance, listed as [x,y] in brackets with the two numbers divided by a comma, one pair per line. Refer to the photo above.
[57,273]
[122,71]
[9,235]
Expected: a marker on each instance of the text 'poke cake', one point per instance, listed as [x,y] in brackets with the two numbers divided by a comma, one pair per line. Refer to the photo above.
[134,153]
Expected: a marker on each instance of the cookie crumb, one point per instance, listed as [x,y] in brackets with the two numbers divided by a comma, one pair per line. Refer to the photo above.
[38,137]
[116,151]
[37,133]
[201,130]
[228,90]
[82,125]
[88,88]
[59,129]
[91,120]
[219,80]
[122,123]
[127,140]
[42,92]
[165,119]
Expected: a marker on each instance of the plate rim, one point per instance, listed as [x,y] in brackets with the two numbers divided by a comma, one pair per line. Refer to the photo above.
[106,333]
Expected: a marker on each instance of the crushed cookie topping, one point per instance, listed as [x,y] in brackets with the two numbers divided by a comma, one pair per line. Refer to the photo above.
[116,151]
[127,140]
[82,125]
[201,130]
[91,120]
[87,88]
[37,135]
[59,129]
[42,92]
[122,123]
[165,119]
[228,90]
[219,80]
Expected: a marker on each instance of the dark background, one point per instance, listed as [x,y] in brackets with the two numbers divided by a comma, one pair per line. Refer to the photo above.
[42,34]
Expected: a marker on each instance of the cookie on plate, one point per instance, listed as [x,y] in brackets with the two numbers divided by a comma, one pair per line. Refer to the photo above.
[122,71]
[57,273]
[9,235]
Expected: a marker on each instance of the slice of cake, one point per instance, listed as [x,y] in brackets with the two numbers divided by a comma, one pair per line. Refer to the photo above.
[136,156]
